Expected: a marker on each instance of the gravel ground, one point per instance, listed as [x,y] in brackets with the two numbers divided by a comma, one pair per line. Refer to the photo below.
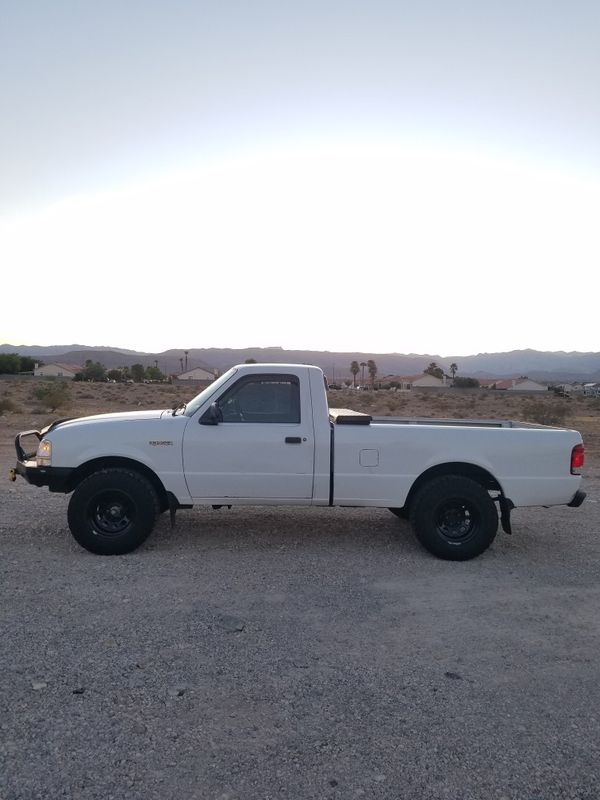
[284,653]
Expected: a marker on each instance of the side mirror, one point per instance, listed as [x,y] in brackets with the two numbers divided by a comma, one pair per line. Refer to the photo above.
[212,416]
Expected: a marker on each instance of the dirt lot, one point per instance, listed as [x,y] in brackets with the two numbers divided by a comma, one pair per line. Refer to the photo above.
[281,653]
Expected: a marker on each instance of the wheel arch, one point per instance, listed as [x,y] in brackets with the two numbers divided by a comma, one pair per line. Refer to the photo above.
[461,468]
[106,462]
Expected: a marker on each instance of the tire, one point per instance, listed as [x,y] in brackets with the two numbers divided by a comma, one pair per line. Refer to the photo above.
[113,511]
[454,518]
[401,513]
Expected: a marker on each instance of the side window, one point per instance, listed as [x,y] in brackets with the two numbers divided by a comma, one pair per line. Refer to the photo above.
[262,398]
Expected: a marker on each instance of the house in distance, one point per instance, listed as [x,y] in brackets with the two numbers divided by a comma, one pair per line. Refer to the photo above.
[57,370]
[196,374]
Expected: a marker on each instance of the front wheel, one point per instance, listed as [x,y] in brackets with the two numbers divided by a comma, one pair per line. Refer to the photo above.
[454,517]
[113,511]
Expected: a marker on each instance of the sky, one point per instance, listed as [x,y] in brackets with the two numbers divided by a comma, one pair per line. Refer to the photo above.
[370,177]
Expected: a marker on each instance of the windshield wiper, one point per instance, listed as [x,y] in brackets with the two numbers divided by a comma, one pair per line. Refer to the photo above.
[181,406]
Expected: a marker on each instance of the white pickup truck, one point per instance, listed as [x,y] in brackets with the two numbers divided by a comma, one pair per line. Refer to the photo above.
[263,434]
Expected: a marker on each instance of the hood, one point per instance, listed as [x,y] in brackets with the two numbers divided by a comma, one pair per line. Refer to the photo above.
[119,416]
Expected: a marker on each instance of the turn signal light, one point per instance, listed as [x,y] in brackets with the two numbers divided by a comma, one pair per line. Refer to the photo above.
[577,458]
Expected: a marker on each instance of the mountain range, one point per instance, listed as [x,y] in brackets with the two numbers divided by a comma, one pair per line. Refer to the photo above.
[536,364]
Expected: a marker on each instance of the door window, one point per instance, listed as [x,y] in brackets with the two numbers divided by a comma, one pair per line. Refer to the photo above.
[256,398]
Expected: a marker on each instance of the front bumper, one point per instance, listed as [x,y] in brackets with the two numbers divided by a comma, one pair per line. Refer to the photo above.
[57,479]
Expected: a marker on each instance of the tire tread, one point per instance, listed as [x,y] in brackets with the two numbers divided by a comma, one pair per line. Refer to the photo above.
[434,492]
[95,543]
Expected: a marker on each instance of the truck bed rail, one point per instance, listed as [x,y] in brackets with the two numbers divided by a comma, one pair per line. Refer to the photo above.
[470,423]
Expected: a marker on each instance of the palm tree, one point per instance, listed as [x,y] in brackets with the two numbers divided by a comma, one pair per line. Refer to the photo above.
[372,367]
[453,370]
[354,369]
[181,363]
[185,352]
[363,364]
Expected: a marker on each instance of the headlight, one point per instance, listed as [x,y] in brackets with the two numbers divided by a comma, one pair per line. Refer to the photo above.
[44,453]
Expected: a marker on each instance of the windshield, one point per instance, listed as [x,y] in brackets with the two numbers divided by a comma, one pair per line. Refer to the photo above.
[201,398]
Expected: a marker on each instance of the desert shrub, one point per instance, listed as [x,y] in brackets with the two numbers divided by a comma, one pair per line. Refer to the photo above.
[438,403]
[397,404]
[54,394]
[466,383]
[6,404]
[545,413]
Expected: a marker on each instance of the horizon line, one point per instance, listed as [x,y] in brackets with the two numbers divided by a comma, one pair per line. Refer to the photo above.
[115,348]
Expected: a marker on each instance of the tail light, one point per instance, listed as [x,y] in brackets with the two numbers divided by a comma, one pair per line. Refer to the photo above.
[577,459]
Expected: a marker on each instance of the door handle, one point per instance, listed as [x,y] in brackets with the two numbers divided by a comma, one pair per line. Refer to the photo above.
[293,440]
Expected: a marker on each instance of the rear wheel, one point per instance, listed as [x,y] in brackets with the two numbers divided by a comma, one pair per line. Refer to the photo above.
[113,511]
[454,517]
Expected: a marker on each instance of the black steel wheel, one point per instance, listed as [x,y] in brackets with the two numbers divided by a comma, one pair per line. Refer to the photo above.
[454,517]
[113,511]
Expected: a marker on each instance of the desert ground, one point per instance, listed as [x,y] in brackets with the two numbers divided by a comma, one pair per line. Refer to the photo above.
[297,653]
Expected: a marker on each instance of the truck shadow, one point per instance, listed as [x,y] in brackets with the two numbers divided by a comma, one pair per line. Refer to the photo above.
[256,527]
[345,531]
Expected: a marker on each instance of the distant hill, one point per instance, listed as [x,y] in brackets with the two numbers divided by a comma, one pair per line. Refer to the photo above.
[37,351]
[536,364]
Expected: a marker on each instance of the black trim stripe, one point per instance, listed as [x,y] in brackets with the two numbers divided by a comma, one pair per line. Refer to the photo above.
[331,427]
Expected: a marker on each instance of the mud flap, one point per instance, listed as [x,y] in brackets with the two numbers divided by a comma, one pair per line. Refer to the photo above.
[506,506]
[173,505]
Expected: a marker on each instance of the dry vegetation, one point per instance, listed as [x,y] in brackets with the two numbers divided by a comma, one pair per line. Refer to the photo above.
[21,407]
